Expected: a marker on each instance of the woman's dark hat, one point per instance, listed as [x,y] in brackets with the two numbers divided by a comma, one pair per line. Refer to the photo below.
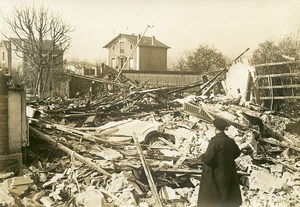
[220,124]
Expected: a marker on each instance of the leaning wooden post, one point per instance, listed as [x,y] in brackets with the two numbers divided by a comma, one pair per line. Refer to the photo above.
[147,171]
[60,146]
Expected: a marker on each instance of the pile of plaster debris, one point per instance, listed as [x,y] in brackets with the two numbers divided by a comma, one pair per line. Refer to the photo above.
[95,153]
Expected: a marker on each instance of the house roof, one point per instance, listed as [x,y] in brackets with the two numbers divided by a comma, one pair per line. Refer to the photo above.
[145,42]
[16,41]
[19,42]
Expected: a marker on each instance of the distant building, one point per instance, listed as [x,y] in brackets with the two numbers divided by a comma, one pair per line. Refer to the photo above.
[150,54]
[13,57]
[82,70]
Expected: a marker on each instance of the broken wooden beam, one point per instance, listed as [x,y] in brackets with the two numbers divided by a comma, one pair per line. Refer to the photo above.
[277,63]
[285,165]
[79,115]
[60,146]
[147,171]
[96,79]
[279,97]
[278,143]
[189,171]
[84,135]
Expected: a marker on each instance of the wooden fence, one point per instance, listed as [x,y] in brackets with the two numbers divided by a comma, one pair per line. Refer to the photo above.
[165,78]
[277,82]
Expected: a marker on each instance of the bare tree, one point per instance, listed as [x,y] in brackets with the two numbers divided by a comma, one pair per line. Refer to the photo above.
[270,51]
[42,38]
[266,52]
[180,64]
[202,59]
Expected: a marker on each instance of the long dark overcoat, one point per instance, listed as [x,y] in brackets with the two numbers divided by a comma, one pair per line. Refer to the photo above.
[219,186]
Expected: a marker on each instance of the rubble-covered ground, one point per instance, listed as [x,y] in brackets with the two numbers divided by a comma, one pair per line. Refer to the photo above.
[82,152]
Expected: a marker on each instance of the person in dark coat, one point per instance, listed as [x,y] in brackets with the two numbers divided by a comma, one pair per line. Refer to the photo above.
[219,185]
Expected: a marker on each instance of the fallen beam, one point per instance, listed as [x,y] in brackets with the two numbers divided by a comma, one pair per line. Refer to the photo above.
[279,86]
[60,146]
[147,171]
[190,171]
[277,63]
[84,135]
[277,143]
[279,97]
[285,165]
[96,79]
[79,115]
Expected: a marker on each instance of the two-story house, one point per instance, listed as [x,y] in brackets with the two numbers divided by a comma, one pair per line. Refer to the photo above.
[148,54]
[13,56]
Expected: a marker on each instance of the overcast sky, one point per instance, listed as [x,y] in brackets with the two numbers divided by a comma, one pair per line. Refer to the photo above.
[229,25]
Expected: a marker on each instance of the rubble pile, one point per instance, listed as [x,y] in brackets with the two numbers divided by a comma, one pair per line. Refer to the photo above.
[132,146]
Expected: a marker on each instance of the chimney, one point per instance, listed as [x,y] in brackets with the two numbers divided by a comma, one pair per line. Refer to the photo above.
[153,38]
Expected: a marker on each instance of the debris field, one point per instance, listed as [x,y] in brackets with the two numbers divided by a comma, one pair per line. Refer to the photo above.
[138,146]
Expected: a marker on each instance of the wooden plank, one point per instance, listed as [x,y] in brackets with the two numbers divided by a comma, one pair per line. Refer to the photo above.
[79,115]
[279,86]
[190,171]
[209,88]
[147,171]
[278,75]
[84,135]
[279,97]
[95,79]
[180,161]
[281,144]
[278,63]
[285,165]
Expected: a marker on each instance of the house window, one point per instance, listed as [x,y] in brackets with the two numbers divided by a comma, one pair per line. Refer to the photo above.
[3,55]
[131,46]
[131,63]
[121,47]
[113,47]
[113,63]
